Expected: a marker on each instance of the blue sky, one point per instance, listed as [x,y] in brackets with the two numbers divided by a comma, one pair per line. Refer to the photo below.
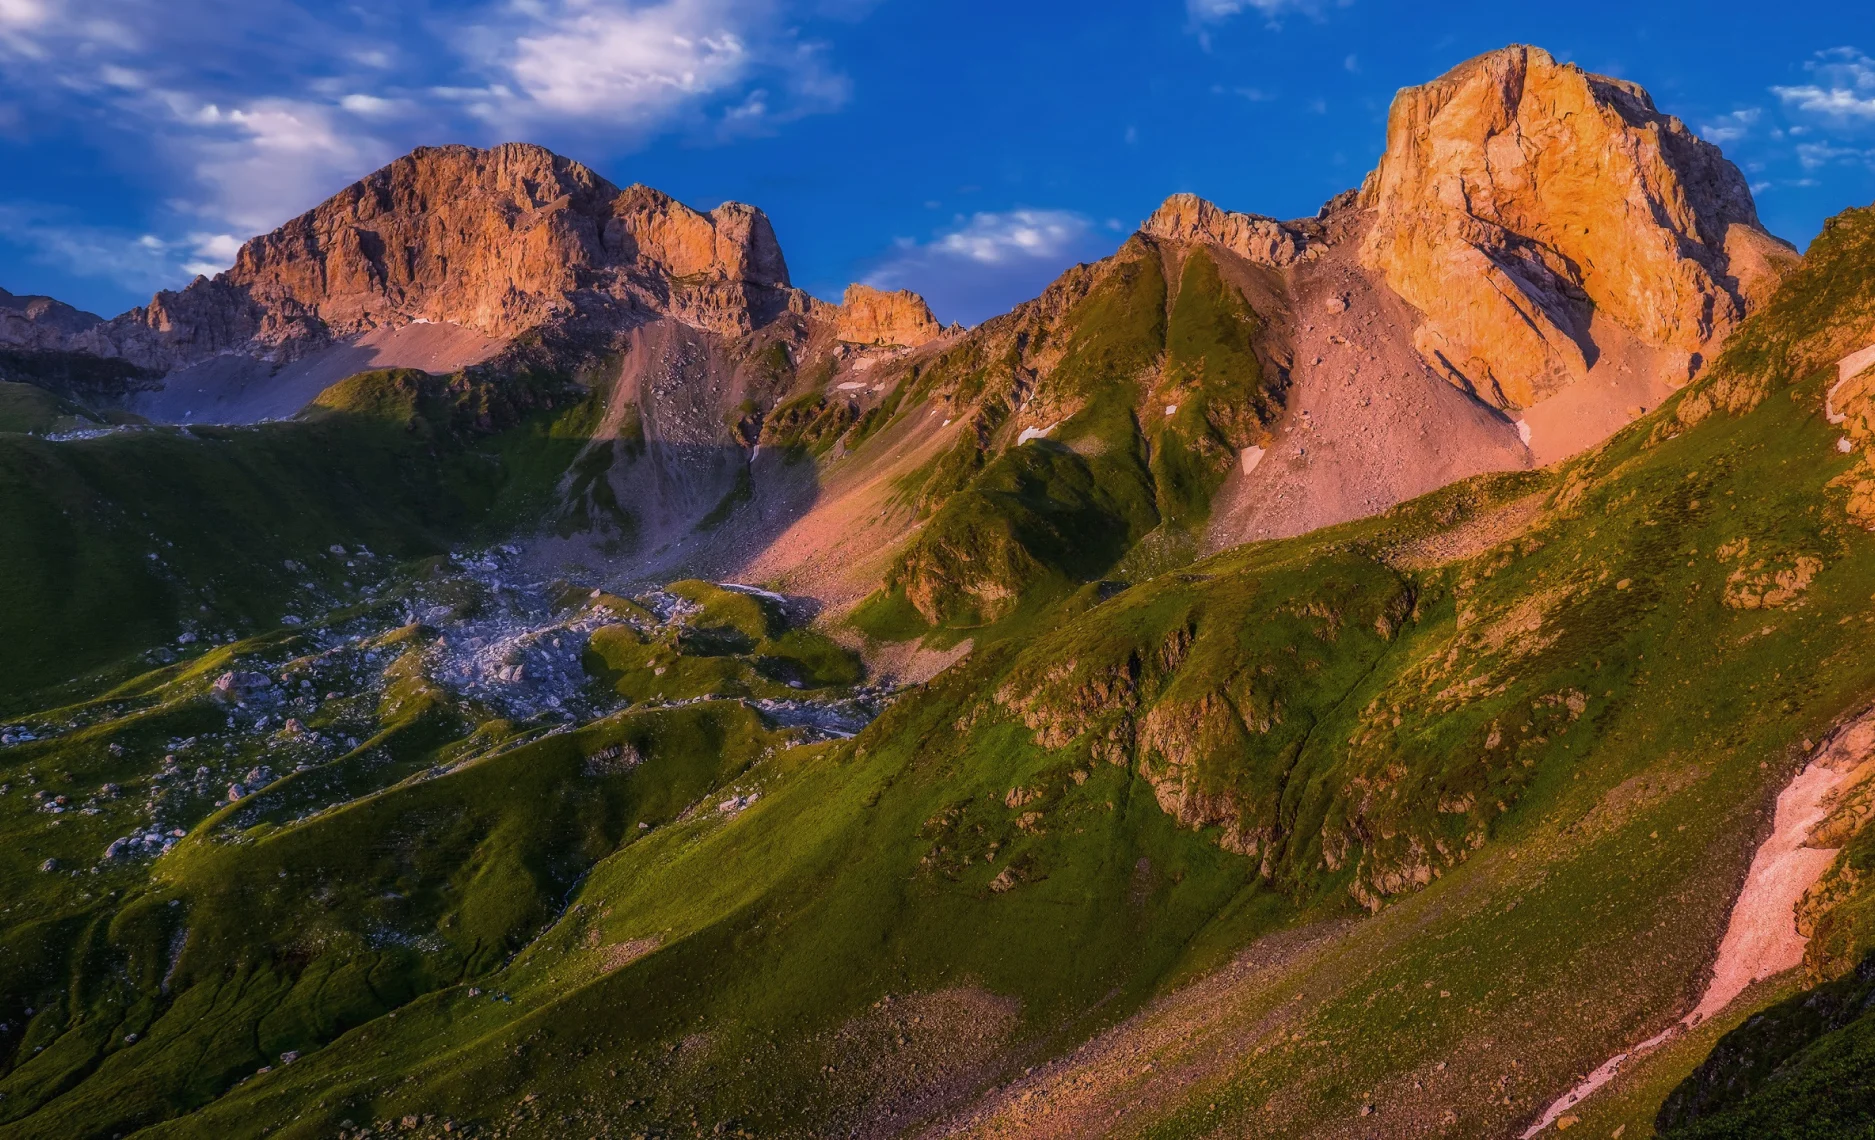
[968,149]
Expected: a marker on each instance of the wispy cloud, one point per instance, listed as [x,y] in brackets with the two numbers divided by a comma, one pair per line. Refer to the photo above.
[987,262]
[1215,11]
[1815,155]
[1252,94]
[1730,128]
[1844,86]
[1208,12]
[139,261]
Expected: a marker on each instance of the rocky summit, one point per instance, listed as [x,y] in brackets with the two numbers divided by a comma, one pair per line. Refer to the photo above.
[1520,198]
[503,661]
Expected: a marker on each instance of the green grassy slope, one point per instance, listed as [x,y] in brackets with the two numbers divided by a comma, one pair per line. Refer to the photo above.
[1117,475]
[1500,756]
[32,410]
[1573,775]
[114,545]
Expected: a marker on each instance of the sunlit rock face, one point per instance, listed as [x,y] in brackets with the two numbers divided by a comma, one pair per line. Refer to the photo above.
[1518,197]
[499,241]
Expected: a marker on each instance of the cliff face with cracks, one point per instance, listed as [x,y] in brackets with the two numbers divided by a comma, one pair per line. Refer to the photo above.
[875,316]
[1518,197]
[501,241]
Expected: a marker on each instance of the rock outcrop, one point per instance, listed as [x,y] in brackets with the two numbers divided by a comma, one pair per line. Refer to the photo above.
[40,322]
[1190,220]
[872,316]
[1519,197]
[499,241]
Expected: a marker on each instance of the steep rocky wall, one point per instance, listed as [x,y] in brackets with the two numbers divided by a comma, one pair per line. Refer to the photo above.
[1518,195]
[874,316]
[500,241]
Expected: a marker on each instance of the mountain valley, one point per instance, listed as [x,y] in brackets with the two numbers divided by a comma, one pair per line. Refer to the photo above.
[502,661]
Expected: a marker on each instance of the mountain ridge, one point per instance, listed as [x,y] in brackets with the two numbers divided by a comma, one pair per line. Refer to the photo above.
[1179,706]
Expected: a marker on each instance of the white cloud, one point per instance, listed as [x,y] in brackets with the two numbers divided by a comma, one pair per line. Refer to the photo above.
[588,58]
[23,13]
[1844,87]
[359,103]
[990,261]
[135,261]
[1730,128]
[1814,155]
[1217,11]
[997,239]
[274,158]
[1833,101]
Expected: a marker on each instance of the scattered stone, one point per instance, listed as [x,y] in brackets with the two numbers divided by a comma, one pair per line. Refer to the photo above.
[49,865]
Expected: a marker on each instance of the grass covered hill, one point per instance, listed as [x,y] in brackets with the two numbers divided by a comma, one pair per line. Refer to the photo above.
[1394,828]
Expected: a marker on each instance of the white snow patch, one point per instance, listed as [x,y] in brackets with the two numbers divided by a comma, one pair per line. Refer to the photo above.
[1843,445]
[1847,369]
[1171,409]
[1027,434]
[1523,431]
[850,386]
[1761,940]
[1250,457]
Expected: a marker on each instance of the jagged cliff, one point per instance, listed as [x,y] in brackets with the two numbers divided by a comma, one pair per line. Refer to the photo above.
[498,242]
[872,316]
[1518,198]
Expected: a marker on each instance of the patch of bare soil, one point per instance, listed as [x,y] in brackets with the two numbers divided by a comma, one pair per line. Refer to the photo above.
[1627,380]
[908,1059]
[619,955]
[900,662]
[236,389]
[1368,424]
[1146,1062]
[1761,939]
[838,549]
[1470,538]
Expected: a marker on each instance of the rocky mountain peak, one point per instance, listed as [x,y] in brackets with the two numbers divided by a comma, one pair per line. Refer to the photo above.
[1190,220]
[497,241]
[40,322]
[1519,198]
[874,316]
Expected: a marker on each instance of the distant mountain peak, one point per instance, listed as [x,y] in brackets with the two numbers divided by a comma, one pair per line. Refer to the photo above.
[1189,219]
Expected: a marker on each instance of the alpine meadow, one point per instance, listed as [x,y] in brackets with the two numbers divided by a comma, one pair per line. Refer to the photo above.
[503,661]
